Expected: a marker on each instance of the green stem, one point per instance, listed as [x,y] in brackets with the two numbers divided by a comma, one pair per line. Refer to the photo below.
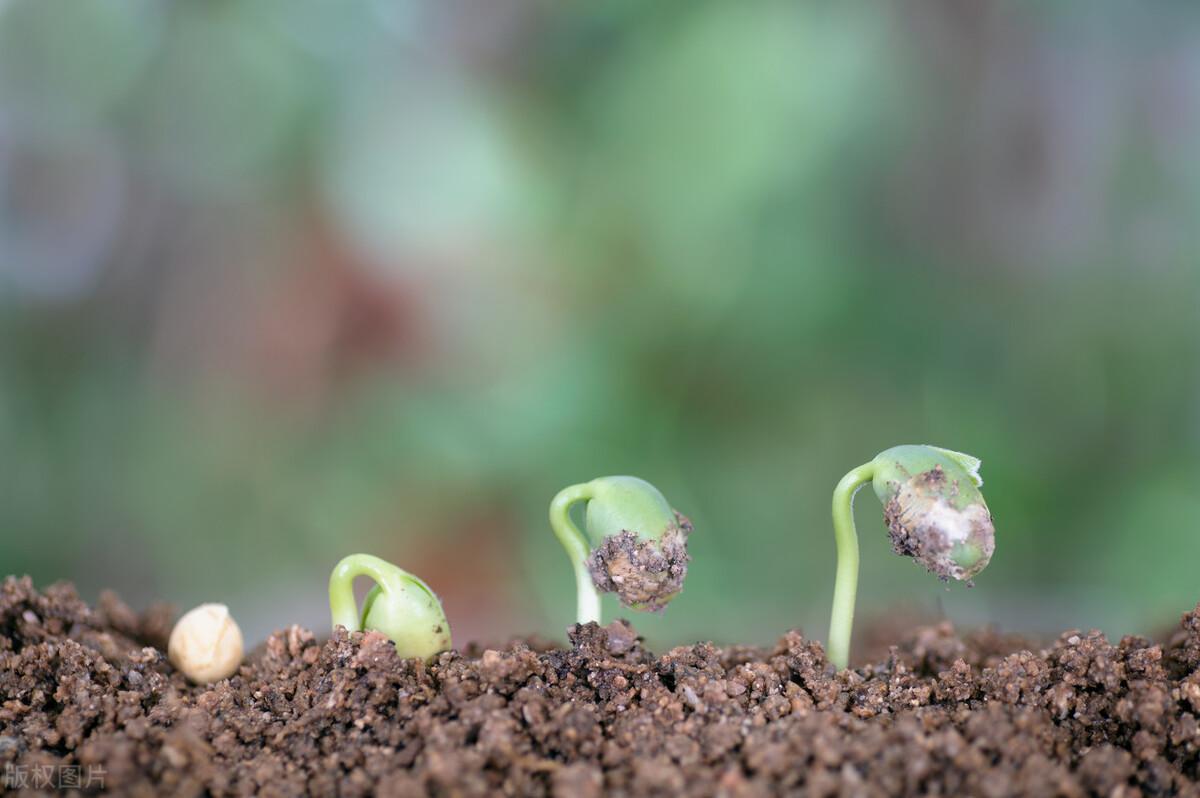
[587,605]
[845,586]
[341,586]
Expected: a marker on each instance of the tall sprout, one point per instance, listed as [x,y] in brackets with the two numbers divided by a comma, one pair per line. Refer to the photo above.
[934,513]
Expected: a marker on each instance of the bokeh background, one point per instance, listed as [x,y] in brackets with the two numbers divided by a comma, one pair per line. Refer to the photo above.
[282,280]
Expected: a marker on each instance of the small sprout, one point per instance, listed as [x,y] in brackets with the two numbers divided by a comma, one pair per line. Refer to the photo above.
[934,513]
[400,605]
[638,544]
[206,644]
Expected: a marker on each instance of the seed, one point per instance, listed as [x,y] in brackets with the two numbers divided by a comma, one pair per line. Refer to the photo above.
[206,644]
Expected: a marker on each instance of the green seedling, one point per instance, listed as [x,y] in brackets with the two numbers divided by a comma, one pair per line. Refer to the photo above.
[400,605]
[934,513]
[635,546]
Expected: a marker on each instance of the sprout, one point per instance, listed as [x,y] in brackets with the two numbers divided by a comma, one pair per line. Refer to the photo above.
[638,544]
[934,513]
[400,605]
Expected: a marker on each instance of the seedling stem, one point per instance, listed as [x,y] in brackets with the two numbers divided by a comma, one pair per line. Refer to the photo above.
[845,586]
[587,602]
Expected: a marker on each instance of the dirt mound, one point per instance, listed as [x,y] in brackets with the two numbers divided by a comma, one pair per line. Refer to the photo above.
[88,699]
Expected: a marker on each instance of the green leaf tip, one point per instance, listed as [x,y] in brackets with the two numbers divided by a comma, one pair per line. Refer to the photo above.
[970,464]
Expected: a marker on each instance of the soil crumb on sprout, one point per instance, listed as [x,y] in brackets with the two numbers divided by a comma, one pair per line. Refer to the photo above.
[645,574]
[925,525]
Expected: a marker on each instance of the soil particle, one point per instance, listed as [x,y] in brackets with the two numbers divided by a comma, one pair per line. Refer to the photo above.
[645,574]
[934,714]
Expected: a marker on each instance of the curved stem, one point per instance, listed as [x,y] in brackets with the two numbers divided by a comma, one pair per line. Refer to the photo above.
[845,586]
[341,586]
[587,605]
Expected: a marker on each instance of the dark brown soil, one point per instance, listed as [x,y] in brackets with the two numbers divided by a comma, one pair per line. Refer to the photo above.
[644,574]
[938,715]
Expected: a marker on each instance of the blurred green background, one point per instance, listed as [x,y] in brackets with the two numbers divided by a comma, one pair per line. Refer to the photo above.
[282,280]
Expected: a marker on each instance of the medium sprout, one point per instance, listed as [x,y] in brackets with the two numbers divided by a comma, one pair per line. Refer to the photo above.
[636,545]
[934,513]
[400,605]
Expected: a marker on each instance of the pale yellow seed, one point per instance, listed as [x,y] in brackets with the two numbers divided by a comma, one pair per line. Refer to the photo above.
[206,644]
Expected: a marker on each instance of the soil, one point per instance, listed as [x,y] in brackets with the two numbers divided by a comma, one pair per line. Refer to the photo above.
[939,714]
[644,574]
